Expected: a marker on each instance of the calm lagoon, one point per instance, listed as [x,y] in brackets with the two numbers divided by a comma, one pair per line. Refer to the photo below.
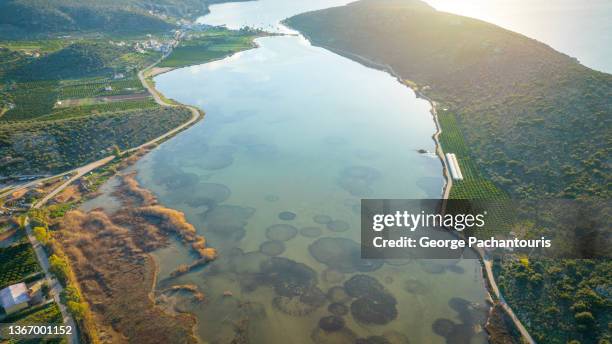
[293,137]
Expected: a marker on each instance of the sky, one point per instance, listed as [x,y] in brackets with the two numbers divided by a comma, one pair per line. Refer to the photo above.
[579,28]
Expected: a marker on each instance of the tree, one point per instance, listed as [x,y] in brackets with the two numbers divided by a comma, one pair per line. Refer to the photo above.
[42,235]
[45,289]
[116,151]
[77,309]
[59,267]
[21,221]
[71,296]
[585,318]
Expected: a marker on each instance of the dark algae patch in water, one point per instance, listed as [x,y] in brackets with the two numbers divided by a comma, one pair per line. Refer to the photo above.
[281,232]
[287,216]
[286,180]
[272,248]
[373,304]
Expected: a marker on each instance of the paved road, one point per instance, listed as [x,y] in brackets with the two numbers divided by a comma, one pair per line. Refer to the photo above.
[439,152]
[43,259]
[28,185]
[81,171]
[488,264]
[195,113]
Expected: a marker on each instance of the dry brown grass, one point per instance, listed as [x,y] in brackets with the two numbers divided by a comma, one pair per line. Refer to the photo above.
[132,194]
[110,258]
[69,194]
[117,277]
[174,222]
[193,289]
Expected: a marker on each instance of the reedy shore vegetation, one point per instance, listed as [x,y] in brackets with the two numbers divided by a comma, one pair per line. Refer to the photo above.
[84,127]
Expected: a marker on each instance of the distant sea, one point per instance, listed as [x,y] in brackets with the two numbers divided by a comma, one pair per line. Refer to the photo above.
[579,28]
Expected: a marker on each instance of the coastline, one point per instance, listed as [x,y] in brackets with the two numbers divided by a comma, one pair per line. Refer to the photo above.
[160,98]
[493,296]
[156,71]
[131,155]
[433,105]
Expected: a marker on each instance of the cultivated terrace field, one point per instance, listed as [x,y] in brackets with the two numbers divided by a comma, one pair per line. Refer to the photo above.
[17,262]
[525,122]
[65,102]
[48,313]
[204,46]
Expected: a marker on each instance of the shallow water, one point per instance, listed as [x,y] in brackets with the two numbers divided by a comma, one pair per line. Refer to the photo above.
[105,201]
[293,132]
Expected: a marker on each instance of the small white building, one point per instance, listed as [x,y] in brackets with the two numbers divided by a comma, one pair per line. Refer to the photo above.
[453,166]
[14,298]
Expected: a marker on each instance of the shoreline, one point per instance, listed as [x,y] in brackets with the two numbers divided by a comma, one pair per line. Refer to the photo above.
[156,71]
[433,105]
[197,114]
[135,153]
[493,296]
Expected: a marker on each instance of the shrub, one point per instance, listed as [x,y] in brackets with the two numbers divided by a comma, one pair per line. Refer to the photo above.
[42,235]
[59,267]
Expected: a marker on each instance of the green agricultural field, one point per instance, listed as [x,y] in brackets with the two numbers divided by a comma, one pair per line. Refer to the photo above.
[71,89]
[43,46]
[38,100]
[107,107]
[30,99]
[16,263]
[207,46]
[48,313]
[474,185]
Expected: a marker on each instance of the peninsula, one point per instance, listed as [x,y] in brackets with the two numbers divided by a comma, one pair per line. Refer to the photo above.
[524,121]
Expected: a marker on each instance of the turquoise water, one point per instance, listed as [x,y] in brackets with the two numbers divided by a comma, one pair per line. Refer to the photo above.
[293,137]
[578,28]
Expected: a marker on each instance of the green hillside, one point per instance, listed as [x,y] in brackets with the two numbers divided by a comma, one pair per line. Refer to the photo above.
[537,122]
[520,116]
[59,145]
[93,58]
[41,18]
[28,18]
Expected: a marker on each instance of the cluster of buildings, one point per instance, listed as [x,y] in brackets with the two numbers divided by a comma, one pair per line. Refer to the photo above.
[154,45]
[18,203]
